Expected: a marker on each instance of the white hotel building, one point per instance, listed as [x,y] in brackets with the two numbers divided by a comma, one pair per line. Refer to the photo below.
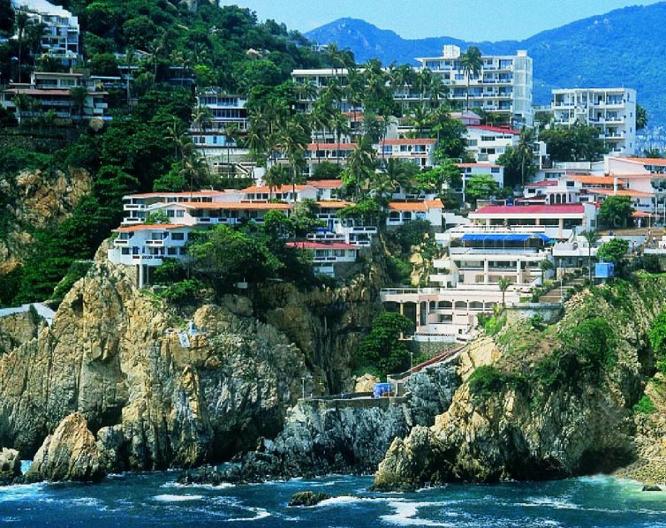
[611,110]
[504,85]
[60,38]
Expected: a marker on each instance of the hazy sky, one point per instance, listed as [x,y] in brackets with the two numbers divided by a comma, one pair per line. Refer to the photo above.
[465,19]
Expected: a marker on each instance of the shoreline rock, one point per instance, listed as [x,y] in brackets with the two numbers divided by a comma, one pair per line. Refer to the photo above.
[69,454]
[306,499]
[10,466]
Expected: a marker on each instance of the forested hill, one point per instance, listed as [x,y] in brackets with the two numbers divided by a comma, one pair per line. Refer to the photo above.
[145,147]
[621,48]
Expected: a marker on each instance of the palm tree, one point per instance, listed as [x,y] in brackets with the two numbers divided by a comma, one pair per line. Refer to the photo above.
[293,141]
[276,176]
[341,126]
[592,238]
[361,166]
[78,96]
[22,21]
[471,64]
[22,102]
[503,283]
[525,151]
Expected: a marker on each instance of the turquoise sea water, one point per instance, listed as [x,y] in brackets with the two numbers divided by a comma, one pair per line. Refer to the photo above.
[157,500]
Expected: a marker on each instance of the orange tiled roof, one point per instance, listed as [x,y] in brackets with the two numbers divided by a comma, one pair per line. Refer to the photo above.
[586,179]
[622,192]
[148,227]
[266,189]
[333,204]
[238,206]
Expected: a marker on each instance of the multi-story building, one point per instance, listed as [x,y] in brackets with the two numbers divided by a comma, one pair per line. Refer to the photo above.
[60,38]
[556,221]
[504,85]
[225,112]
[488,143]
[611,110]
[54,92]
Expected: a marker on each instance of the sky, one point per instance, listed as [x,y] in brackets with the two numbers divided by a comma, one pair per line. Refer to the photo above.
[476,20]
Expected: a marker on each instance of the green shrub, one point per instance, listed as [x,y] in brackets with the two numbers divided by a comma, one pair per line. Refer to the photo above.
[184,292]
[382,348]
[488,380]
[645,406]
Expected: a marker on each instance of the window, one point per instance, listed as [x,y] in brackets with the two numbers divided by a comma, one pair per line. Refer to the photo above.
[180,214]
[178,236]
[172,251]
[170,213]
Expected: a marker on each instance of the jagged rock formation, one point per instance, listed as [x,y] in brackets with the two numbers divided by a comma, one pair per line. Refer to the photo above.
[18,328]
[118,356]
[533,421]
[110,355]
[10,466]
[39,198]
[340,436]
[70,454]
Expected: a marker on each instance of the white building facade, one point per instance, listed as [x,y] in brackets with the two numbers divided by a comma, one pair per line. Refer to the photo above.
[611,110]
[504,85]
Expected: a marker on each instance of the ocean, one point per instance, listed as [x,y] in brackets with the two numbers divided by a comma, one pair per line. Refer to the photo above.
[155,499]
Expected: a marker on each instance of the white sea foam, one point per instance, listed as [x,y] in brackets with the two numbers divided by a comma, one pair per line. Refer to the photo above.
[177,498]
[174,484]
[21,492]
[259,513]
[406,514]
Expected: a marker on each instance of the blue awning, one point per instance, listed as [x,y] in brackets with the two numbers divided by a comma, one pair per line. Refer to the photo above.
[504,238]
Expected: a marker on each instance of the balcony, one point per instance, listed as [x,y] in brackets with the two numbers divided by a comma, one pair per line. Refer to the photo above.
[155,243]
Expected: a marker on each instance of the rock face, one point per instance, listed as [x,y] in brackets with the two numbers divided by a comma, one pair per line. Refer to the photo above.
[120,358]
[528,430]
[340,436]
[37,198]
[10,466]
[307,498]
[17,329]
[69,454]
[156,395]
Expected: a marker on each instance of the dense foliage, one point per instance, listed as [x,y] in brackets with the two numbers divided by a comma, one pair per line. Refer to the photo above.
[381,351]
[576,143]
[616,211]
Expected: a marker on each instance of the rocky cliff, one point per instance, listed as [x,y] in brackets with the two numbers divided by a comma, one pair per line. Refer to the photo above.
[325,436]
[157,395]
[34,199]
[548,402]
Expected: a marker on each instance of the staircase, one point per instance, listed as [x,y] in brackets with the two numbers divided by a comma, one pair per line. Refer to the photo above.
[554,296]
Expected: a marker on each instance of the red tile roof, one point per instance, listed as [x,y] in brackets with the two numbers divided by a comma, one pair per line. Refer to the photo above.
[266,189]
[543,183]
[176,194]
[478,165]
[409,141]
[148,227]
[660,162]
[325,184]
[313,147]
[497,130]
[333,204]
[320,245]
[237,206]
[510,210]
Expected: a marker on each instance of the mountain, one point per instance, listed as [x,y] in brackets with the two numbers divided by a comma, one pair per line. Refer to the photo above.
[621,48]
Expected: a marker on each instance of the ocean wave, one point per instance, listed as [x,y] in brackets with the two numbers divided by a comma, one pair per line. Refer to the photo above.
[178,485]
[406,514]
[177,498]
[21,491]
[259,513]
